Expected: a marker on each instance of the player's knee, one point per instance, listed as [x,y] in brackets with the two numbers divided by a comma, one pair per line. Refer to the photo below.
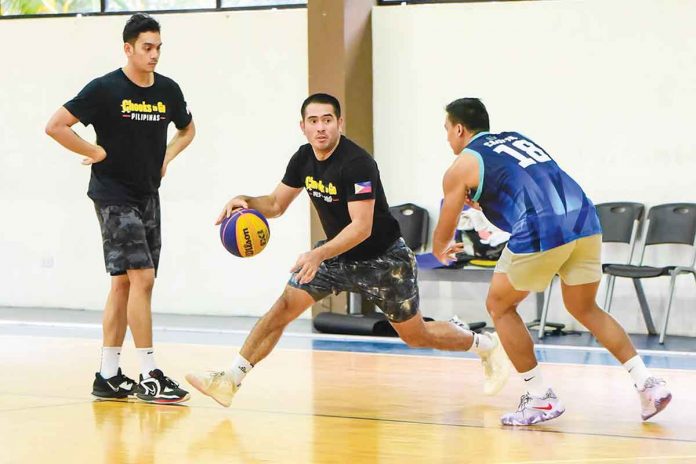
[497,307]
[142,281]
[120,285]
[282,312]
[580,310]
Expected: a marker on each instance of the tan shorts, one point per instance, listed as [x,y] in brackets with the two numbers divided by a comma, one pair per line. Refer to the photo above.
[578,262]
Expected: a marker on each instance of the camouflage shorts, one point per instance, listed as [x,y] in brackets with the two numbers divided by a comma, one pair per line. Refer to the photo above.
[389,281]
[130,235]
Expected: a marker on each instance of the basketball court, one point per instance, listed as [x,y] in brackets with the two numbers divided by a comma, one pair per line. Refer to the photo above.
[323,398]
[606,85]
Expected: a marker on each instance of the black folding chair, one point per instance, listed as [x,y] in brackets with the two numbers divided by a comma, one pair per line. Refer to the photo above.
[413,221]
[620,224]
[672,223]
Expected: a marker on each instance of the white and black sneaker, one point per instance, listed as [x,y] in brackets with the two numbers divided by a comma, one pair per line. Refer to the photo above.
[117,387]
[160,389]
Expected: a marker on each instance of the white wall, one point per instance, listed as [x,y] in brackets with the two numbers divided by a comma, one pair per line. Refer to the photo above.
[244,75]
[605,86]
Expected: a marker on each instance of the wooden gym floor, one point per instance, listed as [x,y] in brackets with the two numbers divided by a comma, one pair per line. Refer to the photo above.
[309,404]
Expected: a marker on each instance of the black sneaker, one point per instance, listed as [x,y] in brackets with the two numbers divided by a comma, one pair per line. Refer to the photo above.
[117,387]
[159,388]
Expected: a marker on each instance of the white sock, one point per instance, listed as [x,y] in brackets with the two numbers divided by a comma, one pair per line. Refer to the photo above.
[483,343]
[240,368]
[636,368]
[534,382]
[147,361]
[110,360]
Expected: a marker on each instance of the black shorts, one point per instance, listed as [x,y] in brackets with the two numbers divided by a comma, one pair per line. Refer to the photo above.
[131,235]
[389,281]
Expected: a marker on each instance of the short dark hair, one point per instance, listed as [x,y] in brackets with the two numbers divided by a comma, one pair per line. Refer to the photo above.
[322,98]
[138,23]
[470,113]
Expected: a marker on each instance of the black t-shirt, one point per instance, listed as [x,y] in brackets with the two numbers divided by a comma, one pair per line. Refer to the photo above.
[131,125]
[349,174]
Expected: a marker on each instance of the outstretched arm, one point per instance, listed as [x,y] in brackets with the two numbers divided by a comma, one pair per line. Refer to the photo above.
[271,206]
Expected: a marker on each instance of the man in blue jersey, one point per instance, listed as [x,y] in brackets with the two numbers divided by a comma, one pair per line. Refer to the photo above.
[554,230]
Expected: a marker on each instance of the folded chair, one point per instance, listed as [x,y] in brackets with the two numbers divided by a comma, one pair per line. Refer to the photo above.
[672,223]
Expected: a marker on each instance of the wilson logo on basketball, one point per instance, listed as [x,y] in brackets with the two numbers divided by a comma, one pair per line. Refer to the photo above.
[248,247]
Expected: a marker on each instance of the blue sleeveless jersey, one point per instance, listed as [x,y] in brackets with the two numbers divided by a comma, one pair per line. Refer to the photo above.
[524,192]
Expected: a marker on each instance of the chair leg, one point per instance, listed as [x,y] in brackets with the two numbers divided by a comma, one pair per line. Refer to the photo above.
[609,296]
[545,312]
[644,307]
[672,282]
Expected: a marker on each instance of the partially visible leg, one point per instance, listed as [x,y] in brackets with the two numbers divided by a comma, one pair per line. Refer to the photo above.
[580,301]
[222,385]
[154,386]
[502,304]
[434,334]
[142,282]
[267,331]
[581,274]
[115,320]
[539,404]
[109,382]
[114,325]
[515,276]
[127,251]
[418,333]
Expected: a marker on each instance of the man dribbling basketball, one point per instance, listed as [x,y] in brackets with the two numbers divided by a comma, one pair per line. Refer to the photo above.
[364,253]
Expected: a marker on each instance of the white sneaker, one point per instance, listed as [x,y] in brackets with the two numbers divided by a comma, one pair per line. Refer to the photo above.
[496,366]
[218,385]
[654,397]
[533,410]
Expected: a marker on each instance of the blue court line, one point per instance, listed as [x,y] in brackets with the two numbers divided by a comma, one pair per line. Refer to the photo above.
[565,355]
[344,343]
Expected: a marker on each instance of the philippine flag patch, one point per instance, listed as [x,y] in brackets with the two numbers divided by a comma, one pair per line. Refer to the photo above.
[363,187]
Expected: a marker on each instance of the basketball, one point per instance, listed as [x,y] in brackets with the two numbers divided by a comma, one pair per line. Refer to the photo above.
[245,233]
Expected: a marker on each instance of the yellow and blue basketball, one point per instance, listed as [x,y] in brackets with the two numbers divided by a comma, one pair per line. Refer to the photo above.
[245,233]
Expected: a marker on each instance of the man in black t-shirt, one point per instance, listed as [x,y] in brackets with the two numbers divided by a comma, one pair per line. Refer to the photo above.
[364,253]
[130,109]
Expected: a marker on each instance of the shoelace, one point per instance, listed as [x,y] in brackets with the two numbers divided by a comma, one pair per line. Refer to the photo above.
[123,378]
[653,382]
[166,380]
[171,383]
[222,379]
[524,399]
[216,377]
